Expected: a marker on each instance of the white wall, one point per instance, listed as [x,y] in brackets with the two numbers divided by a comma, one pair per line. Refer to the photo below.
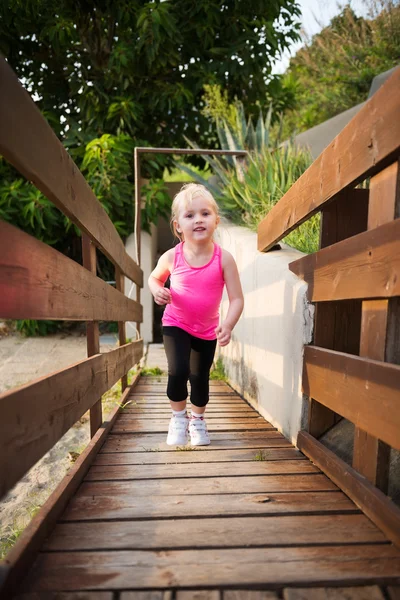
[264,359]
[148,254]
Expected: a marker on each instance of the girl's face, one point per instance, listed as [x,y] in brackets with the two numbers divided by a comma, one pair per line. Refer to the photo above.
[197,221]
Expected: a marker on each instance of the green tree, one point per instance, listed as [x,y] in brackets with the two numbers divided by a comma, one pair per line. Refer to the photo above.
[334,70]
[136,67]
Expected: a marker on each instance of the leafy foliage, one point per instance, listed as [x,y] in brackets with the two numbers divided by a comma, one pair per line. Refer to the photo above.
[334,70]
[137,67]
[249,187]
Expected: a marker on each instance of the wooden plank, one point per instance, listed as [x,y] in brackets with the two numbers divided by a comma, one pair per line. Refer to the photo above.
[249,595]
[367,497]
[212,485]
[120,284]
[65,596]
[138,220]
[370,592]
[225,532]
[172,471]
[22,554]
[371,456]
[364,266]
[129,419]
[272,567]
[193,456]
[393,592]
[362,390]
[108,506]
[219,441]
[133,426]
[151,413]
[38,282]
[89,261]
[27,433]
[28,142]
[337,324]
[148,595]
[198,595]
[366,145]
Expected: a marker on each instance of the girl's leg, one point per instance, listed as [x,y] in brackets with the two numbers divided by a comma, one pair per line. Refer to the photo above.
[201,359]
[177,349]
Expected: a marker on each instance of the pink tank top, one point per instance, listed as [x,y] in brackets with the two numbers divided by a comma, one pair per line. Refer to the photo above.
[196,295]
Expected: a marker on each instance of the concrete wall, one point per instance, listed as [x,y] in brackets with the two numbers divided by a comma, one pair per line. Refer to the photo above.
[264,359]
[148,260]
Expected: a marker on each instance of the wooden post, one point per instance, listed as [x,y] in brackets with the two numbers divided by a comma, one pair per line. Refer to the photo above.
[92,329]
[337,324]
[138,215]
[380,319]
[119,284]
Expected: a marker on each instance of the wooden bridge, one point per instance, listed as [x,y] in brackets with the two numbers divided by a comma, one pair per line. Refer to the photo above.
[249,517]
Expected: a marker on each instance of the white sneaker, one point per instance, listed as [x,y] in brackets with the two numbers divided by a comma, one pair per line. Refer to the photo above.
[178,431]
[198,432]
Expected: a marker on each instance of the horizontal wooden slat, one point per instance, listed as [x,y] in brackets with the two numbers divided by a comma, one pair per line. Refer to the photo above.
[37,282]
[367,144]
[28,142]
[224,469]
[220,441]
[194,456]
[366,265]
[378,507]
[109,506]
[35,416]
[362,390]
[23,553]
[197,151]
[210,485]
[231,532]
[259,567]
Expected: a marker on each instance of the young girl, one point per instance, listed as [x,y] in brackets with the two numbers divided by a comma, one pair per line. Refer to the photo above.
[199,269]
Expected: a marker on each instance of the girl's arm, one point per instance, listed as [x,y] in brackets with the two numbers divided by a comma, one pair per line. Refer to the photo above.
[159,276]
[235,295]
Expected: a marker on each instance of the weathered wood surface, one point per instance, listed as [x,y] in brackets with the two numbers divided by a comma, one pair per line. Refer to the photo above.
[237,513]
[28,142]
[367,144]
[36,415]
[214,533]
[371,456]
[337,324]
[362,390]
[193,456]
[371,592]
[22,554]
[38,282]
[364,266]
[264,567]
[171,471]
[104,504]
[374,503]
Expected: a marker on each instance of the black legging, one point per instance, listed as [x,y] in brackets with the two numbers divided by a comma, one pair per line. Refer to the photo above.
[189,358]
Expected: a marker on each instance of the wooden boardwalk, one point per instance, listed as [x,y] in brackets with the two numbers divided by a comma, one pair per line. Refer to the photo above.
[248,517]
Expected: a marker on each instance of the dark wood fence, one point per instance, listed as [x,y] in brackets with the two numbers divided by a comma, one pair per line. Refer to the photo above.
[37,282]
[352,369]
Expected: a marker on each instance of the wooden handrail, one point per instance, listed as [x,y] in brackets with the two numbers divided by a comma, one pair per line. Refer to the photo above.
[37,282]
[28,142]
[35,416]
[367,144]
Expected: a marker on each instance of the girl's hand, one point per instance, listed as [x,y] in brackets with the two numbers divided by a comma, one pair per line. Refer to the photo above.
[163,296]
[223,333]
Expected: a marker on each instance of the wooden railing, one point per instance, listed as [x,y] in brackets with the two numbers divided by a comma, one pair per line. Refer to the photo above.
[37,282]
[352,369]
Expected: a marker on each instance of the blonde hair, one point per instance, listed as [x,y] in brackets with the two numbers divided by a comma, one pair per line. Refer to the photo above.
[184,198]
